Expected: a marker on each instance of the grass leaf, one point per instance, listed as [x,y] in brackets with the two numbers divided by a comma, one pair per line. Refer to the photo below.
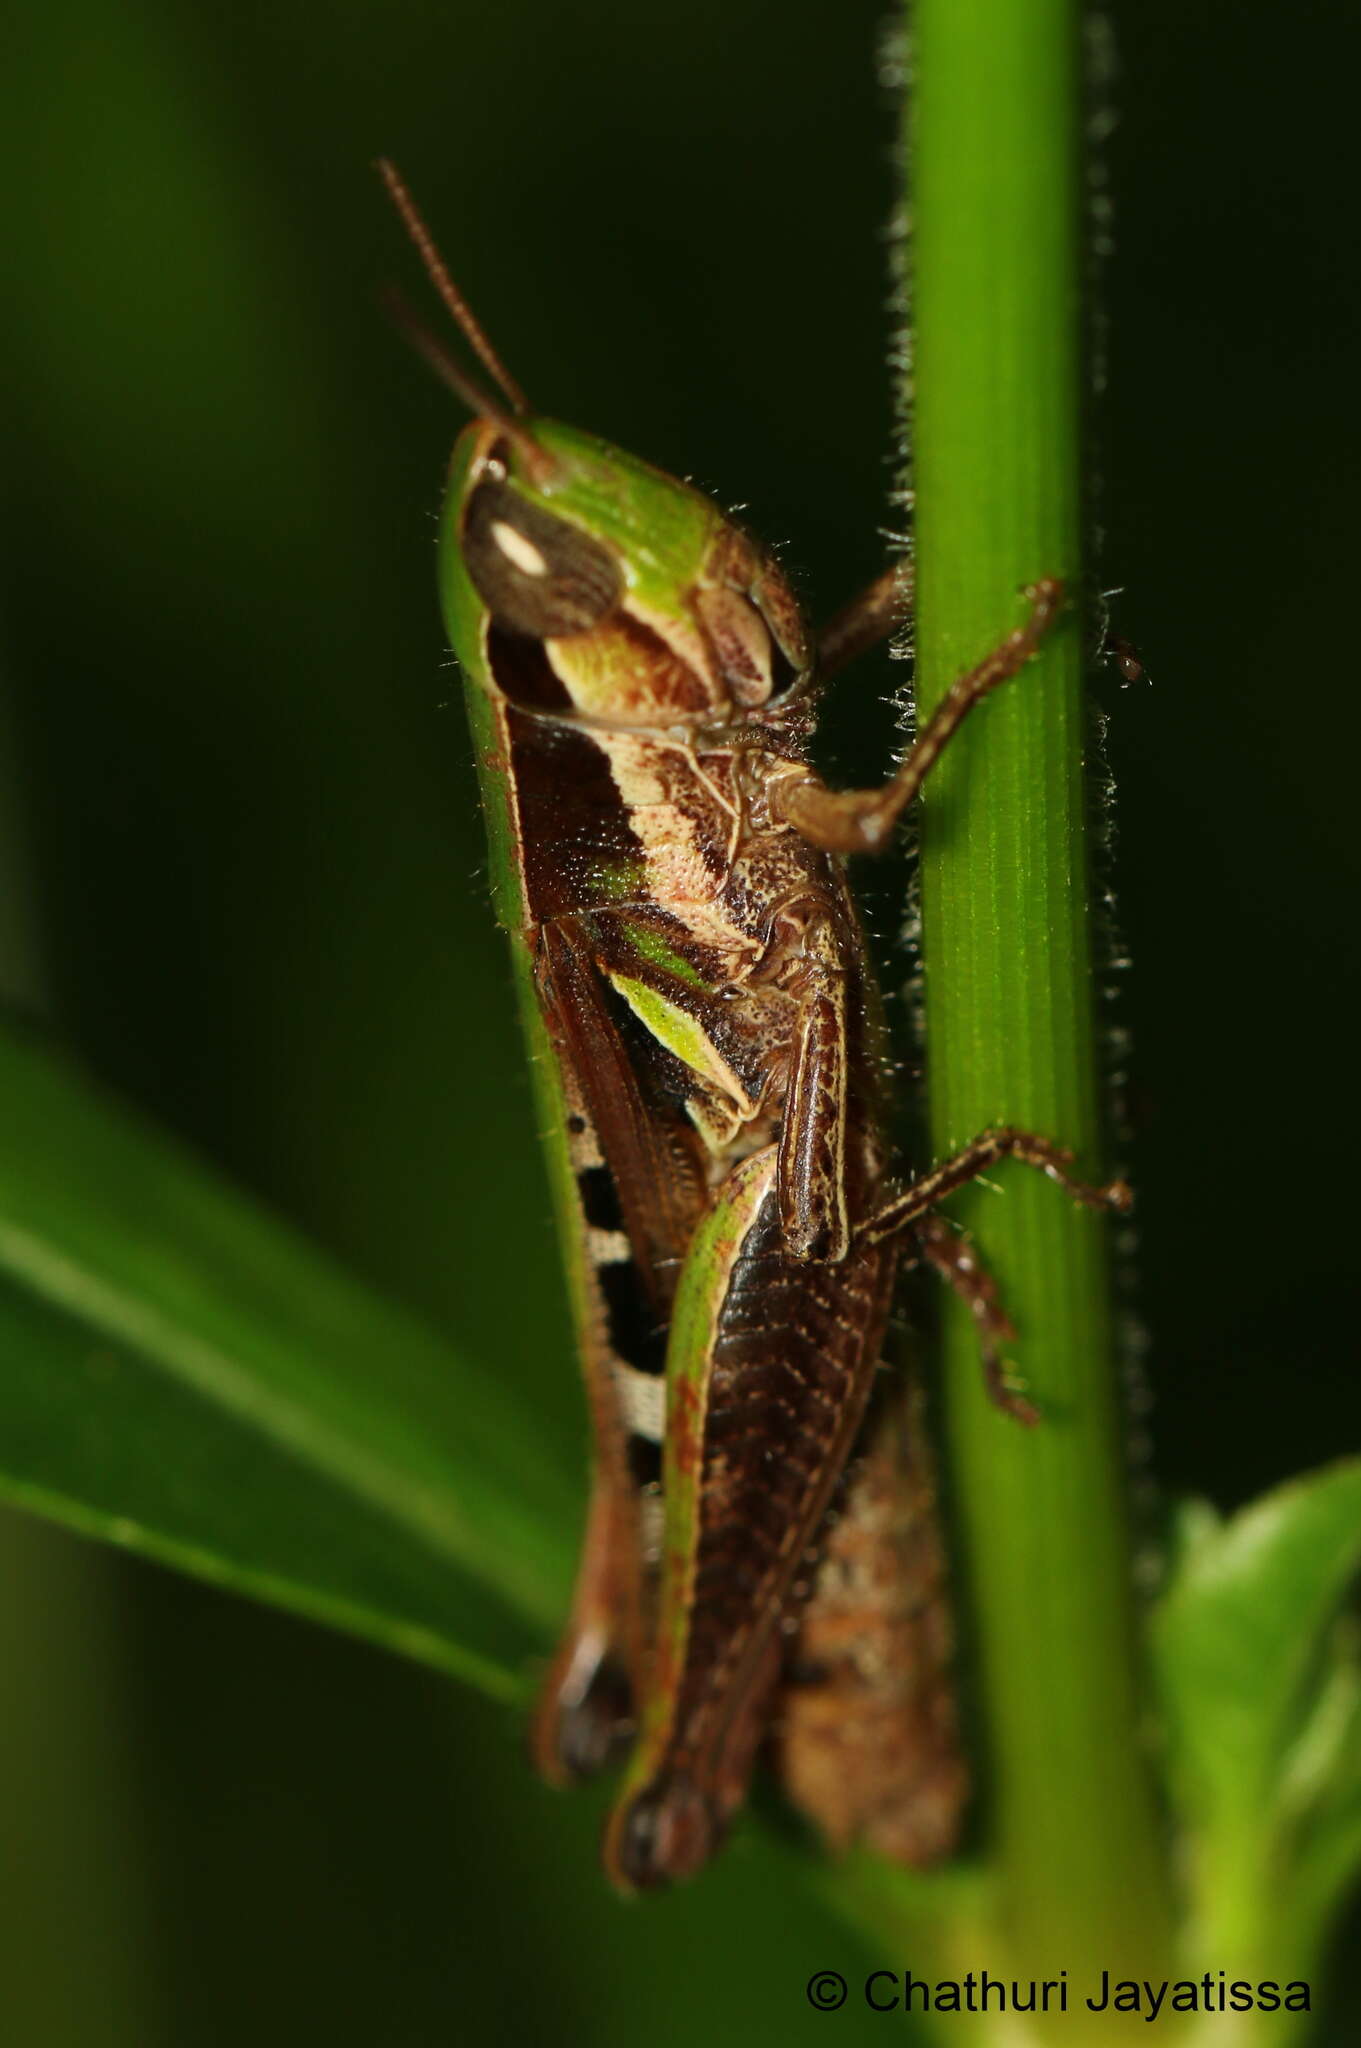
[185,1376]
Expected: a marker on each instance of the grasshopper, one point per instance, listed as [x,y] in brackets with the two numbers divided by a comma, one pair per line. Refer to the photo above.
[706,1046]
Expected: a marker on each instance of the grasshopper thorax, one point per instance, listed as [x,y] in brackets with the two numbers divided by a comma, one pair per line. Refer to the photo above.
[584,584]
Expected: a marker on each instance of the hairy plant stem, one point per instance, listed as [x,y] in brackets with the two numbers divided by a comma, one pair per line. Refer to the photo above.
[994,155]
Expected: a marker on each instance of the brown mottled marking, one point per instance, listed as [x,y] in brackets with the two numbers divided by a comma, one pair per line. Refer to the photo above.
[866,1739]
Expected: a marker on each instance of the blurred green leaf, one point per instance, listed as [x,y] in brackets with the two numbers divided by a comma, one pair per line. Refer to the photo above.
[184,1376]
[1261,1688]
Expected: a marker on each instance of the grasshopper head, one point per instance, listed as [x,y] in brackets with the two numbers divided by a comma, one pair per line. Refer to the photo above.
[582,584]
[585,584]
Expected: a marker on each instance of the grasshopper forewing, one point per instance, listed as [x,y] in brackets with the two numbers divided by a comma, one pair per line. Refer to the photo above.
[640,682]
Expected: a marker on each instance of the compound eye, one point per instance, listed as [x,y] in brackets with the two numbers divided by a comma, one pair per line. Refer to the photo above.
[537,574]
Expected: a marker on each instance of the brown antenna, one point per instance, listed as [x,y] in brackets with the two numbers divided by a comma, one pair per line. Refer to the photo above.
[444,364]
[453,298]
[450,371]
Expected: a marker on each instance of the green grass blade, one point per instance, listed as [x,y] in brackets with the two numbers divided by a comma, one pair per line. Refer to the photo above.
[185,1376]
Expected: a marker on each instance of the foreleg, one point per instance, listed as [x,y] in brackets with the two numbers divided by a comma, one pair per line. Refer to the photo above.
[859,820]
[868,619]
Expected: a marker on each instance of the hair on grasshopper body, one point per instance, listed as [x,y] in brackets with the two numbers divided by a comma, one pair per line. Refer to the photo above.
[704,1034]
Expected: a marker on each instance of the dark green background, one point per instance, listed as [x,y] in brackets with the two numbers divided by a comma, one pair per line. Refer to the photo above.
[243,858]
